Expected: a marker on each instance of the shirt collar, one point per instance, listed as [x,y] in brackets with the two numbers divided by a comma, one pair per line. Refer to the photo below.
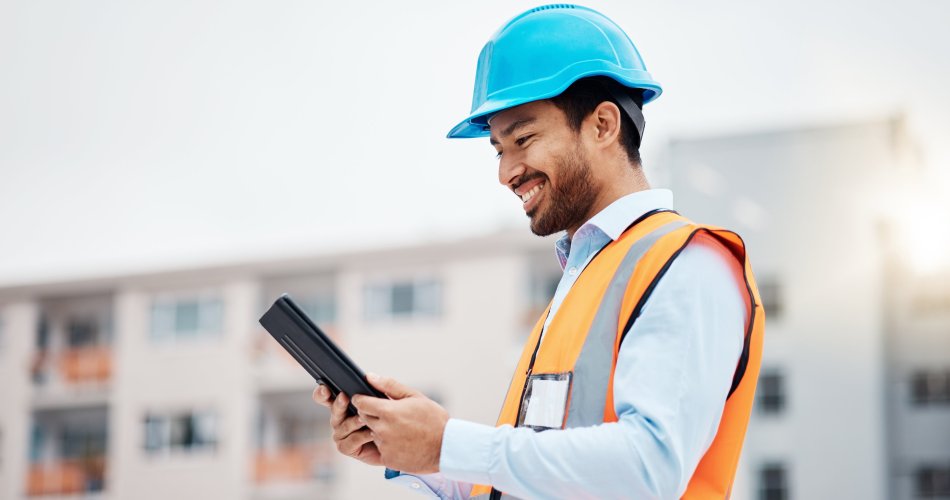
[617,217]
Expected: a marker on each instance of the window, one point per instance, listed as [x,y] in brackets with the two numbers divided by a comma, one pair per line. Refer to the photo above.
[403,299]
[770,292]
[770,392]
[773,482]
[321,309]
[82,332]
[82,442]
[180,431]
[315,293]
[932,482]
[37,442]
[42,333]
[184,318]
[930,387]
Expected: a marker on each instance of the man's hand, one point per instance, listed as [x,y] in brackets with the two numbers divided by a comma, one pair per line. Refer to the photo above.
[407,429]
[350,434]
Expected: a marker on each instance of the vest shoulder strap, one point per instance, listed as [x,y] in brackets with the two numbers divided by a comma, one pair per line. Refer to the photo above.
[732,242]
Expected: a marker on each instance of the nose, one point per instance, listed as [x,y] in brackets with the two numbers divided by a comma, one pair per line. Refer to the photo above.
[509,169]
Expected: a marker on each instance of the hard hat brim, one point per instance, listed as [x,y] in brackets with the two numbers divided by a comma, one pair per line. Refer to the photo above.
[476,124]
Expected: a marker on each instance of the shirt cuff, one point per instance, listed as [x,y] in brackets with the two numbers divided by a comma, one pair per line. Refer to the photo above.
[425,484]
[467,451]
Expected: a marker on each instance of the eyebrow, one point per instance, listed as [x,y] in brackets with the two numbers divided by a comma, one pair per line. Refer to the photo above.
[511,128]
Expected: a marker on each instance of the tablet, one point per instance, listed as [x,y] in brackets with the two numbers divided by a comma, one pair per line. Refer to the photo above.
[314,350]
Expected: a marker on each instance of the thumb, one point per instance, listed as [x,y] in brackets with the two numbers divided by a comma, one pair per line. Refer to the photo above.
[390,387]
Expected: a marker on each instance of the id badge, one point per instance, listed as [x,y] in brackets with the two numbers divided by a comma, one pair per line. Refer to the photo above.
[545,401]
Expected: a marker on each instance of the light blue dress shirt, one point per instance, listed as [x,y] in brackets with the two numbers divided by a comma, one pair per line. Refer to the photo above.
[671,382]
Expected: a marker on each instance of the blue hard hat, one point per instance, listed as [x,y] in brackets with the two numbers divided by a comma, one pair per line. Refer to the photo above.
[541,52]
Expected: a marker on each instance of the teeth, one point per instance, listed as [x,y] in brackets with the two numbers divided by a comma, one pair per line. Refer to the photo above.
[530,194]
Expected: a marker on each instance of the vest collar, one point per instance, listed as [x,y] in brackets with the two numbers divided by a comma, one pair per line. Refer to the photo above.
[616,217]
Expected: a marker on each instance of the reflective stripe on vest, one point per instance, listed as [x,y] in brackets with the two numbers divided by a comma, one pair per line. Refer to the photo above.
[585,340]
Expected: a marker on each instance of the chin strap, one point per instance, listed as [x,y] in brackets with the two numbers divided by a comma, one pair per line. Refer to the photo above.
[630,104]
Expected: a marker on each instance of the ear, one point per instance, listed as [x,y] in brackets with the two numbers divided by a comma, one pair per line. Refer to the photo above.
[603,125]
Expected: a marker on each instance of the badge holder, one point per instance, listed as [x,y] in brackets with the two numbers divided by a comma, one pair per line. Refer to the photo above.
[545,401]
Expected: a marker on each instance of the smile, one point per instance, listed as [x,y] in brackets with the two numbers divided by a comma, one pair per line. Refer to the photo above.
[526,197]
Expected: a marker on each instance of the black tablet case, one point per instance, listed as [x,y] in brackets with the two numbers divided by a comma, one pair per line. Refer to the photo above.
[314,350]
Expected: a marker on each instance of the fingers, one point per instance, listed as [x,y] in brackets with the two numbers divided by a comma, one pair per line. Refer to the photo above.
[369,406]
[321,395]
[373,406]
[390,387]
[369,420]
[350,433]
[351,444]
[347,427]
[338,410]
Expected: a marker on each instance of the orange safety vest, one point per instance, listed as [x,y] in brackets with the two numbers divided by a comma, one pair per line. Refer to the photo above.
[584,340]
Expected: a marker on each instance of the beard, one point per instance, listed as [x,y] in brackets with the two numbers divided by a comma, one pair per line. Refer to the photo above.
[569,203]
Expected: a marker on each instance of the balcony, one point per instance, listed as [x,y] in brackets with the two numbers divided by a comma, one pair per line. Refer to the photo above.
[84,365]
[294,464]
[76,376]
[292,444]
[67,453]
[66,477]
[73,348]
[88,364]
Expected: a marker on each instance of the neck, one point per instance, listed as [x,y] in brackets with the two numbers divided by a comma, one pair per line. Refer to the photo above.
[631,180]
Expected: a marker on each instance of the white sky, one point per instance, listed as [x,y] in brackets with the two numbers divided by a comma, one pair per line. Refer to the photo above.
[149,135]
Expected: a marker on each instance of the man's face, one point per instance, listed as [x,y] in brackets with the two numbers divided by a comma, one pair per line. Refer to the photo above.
[542,160]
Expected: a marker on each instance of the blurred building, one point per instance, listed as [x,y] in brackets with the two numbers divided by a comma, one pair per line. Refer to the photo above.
[853,398]
[917,347]
[163,385]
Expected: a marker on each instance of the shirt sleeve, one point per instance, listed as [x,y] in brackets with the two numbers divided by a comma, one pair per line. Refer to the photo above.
[673,376]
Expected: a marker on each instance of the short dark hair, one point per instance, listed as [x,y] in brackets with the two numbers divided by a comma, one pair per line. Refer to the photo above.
[579,101]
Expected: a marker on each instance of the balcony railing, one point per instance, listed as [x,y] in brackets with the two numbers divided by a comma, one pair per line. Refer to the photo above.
[91,364]
[66,477]
[74,366]
[298,463]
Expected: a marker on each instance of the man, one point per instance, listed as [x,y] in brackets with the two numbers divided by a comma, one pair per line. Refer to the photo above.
[642,371]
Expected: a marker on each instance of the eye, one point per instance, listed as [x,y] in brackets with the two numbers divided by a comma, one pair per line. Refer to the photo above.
[498,156]
[521,140]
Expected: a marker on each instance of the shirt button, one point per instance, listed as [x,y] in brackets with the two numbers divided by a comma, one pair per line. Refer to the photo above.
[416,486]
[572,271]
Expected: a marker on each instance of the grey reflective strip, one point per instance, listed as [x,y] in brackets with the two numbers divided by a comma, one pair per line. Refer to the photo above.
[488,496]
[595,362]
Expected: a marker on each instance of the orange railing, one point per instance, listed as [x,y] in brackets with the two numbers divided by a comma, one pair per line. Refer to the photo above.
[66,477]
[298,463]
[74,366]
[87,364]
